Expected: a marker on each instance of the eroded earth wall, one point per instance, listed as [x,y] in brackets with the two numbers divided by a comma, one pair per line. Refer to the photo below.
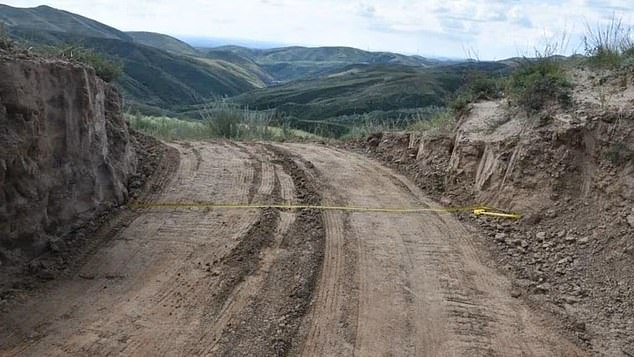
[65,151]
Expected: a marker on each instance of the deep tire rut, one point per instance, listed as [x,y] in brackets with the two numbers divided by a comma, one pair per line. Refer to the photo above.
[269,324]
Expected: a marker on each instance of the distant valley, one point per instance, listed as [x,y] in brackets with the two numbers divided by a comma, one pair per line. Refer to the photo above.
[166,76]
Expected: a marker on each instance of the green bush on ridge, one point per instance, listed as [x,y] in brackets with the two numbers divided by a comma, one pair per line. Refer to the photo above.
[538,82]
[105,68]
[610,45]
[5,41]
[220,120]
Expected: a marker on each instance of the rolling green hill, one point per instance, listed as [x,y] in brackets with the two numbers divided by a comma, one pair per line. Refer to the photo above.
[308,84]
[153,78]
[46,18]
[358,89]
[254,69]
[326,54]
[384,91]
[163,42]
[293,63]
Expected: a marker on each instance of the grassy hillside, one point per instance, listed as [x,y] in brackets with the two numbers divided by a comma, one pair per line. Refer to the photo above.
[161,79]
[247,65]
[162,74]
[45,18]
[362,89]
[326,54]
[153,77]
[163,42]
[292,63]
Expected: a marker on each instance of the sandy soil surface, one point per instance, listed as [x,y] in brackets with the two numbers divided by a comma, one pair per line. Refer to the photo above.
[200,281]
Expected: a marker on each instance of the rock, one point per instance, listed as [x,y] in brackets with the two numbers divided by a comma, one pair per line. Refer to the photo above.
[551,214]
[500,237]
[561,234]
[571,239]
[630,220]
[524,283]
[543,288]
[541,236]
[56,245]
[516,293]
[563,261]
[46,274]
[583,240]
[579,326]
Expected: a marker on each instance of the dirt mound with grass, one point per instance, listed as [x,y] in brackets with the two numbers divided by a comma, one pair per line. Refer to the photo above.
[570,172]
[66,152]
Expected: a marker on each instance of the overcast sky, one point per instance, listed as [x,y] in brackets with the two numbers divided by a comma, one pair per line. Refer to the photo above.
[453,28]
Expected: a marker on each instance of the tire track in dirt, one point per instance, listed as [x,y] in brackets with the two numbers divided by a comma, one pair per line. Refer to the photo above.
[157,182]
[423,290]
[329,312]
[330,327]
[187,288]
[270,190]
[269,282]
[269,324]
[144,293]
[248,291]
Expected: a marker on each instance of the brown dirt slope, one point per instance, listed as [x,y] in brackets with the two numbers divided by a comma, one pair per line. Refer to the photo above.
[66,154]
[571,173]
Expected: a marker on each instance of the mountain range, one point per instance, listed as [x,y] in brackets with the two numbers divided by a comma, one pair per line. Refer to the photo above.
[162,74]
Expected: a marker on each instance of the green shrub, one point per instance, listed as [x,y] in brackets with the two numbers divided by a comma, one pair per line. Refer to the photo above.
[461,102]
[440,121]
[609,45]
[362,128]
[5,41]
[166,128]
[484,86]
[230,121]
[537,82]
[478,86]
[224,121]
[106,68]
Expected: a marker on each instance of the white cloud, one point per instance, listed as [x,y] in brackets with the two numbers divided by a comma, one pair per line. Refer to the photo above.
[494,28]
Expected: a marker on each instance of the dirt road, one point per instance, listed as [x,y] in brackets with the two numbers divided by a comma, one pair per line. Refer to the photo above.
[200,281]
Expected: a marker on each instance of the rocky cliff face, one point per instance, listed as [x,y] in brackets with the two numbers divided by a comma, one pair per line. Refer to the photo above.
[65,151]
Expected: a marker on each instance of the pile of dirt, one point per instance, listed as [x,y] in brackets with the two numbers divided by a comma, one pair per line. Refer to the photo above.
[571,173]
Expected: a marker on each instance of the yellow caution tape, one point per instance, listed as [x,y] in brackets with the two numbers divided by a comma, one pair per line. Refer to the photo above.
[486,212]
[476,210]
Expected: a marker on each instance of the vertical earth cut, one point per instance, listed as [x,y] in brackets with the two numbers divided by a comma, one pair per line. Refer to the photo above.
[66,152]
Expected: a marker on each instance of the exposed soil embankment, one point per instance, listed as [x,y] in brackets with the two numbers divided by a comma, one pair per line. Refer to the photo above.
[572,176]
[66,153]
